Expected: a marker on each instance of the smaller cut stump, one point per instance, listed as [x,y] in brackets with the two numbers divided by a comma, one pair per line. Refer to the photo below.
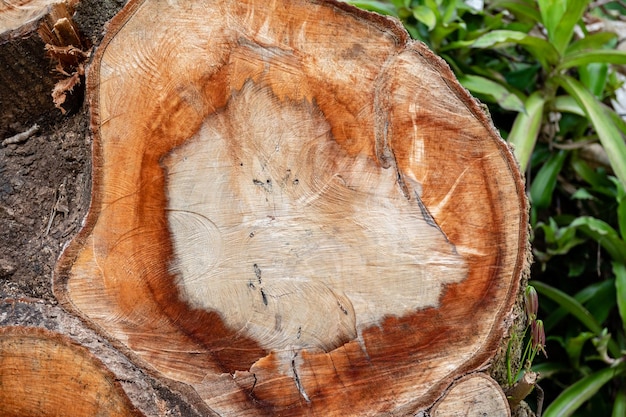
[296,210]
[46,374]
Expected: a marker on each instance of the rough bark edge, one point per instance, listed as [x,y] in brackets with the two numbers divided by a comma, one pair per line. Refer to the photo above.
[480,362]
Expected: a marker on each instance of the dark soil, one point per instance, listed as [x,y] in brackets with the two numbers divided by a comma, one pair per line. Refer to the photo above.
[44,179]
[44,195]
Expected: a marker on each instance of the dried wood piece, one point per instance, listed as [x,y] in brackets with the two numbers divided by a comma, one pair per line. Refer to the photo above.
[296,209]
[45,374]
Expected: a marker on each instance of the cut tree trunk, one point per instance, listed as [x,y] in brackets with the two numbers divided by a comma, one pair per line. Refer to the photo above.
[45,374]
[296,210]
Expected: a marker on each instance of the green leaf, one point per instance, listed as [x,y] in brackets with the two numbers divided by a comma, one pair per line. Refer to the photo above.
[603,303]
[497,37]
[621,207]
[599,181]
[523,77]
[543,185]
[587,294]
[519,8]
[449,13]
[590,42]
[583,194]
[577,394]
[526,129]
[576,309]
[604,234]
[552,12]
[605,56]
[619,406]
[456,45]
[621,217]
[443,31]
[562,26]
[559,239]
[574,347]
[481,85]
[593,76]
[570,304]
[549,369]
[425,15]
[381,7]
[619,269]
[541,50]
[608,132]
[567,104]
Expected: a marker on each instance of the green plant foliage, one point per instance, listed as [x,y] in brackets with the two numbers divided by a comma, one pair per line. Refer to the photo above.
[498,93]
[526,129]
[578,393]
[549,80]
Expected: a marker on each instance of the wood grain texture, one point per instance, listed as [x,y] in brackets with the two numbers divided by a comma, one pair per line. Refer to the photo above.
[45,374]
[296,209]
[473,395]
[20,17]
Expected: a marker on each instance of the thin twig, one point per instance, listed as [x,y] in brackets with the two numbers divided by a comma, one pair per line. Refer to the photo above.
[21,137]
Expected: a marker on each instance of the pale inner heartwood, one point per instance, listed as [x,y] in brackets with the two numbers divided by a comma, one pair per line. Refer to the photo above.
[293,242]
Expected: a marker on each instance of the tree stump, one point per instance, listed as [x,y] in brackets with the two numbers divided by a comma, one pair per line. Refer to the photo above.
[45,374]
[296,210]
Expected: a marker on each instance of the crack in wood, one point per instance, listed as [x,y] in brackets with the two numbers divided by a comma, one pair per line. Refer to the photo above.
[296,379]
[257,272]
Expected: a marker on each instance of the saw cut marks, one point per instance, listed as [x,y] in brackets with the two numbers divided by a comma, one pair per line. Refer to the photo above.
[295,208]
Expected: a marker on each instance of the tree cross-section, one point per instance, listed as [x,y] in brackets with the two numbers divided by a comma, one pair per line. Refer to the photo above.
[296,209]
